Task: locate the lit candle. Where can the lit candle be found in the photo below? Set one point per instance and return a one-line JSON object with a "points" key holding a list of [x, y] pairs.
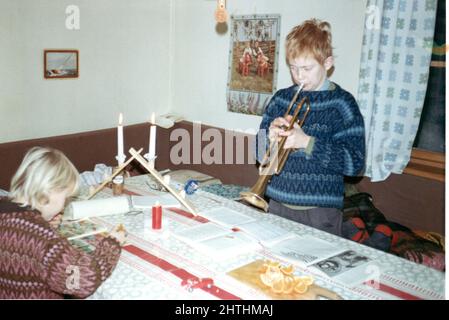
{"points": [[156, 216], [152, 146], [120, 154]]}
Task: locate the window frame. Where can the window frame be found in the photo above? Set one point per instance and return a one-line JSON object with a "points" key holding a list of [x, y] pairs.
{"points": [[427, 164]]}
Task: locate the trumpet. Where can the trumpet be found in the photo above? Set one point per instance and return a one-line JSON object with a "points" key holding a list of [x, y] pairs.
{"points": [[274, 159]]}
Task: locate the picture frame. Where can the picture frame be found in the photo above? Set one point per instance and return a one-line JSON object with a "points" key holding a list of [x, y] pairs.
{"points": [[61, 63], [253, 62]]}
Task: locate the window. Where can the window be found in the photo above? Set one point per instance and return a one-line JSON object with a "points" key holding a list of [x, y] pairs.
{"points": [[428, 155]]}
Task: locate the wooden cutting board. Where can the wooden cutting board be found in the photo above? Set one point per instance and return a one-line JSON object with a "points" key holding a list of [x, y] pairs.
{"points": [[250, 275]]}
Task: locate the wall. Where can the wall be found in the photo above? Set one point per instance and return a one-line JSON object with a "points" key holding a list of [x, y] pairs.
{"points": [[201, 54], [123, 65], [142, 56]]}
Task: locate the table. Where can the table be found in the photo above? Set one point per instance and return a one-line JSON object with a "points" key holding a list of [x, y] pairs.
{"points": [[158, 266]]}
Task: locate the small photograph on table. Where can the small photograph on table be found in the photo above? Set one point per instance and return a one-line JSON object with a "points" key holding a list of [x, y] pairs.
{"points": [[341, 263]]}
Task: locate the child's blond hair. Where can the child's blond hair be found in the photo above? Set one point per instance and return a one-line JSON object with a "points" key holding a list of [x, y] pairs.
{"points": [[42, 171], [313, 37]]}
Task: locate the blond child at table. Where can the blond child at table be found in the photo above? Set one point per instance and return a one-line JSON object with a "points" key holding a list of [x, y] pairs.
{"points": [[35, 261]]}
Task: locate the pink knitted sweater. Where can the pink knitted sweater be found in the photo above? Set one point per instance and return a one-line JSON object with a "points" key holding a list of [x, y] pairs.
{"points": [[37, 263]]}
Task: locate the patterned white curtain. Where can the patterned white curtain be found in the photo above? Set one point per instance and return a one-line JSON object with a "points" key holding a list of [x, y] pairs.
{"points": [[396, 53]]}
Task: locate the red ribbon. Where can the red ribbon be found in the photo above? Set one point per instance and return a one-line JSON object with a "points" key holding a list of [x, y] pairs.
{"points": [[186, 277], [393, 291]]}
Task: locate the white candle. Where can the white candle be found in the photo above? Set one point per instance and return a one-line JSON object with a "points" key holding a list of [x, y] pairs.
{"points": [[152, 146], [120, 153]]}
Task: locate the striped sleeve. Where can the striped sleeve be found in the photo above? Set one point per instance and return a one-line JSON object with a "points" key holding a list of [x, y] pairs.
{"points": [[74, 272], [344, 151]]}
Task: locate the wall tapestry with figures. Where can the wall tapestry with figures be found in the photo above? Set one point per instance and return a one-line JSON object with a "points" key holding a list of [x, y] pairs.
{"points": [[253, 62]]}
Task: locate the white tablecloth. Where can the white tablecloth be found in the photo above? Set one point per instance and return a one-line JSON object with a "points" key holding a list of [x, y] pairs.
{"points": [[136, 278]]}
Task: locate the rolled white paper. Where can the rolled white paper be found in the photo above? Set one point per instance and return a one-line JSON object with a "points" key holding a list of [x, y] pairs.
{"points": [[96, 208]]}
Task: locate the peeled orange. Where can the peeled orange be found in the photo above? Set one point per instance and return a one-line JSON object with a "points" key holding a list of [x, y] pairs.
{"points": [[278, 286], [301, 287], [289, 284], [306, 279], [281, 279], [287, 270], [266, 279]]}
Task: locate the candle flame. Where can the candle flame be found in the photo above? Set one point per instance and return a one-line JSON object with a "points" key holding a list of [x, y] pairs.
{"points": [[153, 118], [157, 204], [120, 119]]}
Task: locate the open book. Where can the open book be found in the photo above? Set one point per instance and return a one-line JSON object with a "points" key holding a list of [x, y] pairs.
{"points": [[85, 244], [343, 265], [216, 241], [263, 232], [80, 229], [325, 258], [82, 234], [226, 217], [266, 233]]}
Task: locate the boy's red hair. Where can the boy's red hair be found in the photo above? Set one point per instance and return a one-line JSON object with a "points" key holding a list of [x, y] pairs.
{"points": [[313, 37]]}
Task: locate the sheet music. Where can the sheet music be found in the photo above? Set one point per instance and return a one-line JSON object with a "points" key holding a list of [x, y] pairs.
{"points": [[304, 249], [226, 217], [266, 233], [227, 246], [201, 232], [342, 265], [216, 241]]}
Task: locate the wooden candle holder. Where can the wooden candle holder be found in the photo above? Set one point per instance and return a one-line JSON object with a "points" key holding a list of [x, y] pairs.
{"points": [[136, 155], [116, 172]]}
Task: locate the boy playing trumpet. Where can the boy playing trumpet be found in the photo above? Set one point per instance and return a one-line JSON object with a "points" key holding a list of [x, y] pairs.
{"points": [[330, 144]]}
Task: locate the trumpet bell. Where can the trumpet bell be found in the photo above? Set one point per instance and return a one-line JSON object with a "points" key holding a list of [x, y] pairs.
{"points": [[255, 200]]}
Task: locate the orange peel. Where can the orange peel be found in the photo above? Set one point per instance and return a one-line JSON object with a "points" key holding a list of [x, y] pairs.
{"points": [[306, 279], [301, 287], [278, 286], [289, 284], [280, 279], [287, 270]]}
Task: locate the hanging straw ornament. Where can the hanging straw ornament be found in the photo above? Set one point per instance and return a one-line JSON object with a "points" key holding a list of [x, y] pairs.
{"points": [[220, 13]]}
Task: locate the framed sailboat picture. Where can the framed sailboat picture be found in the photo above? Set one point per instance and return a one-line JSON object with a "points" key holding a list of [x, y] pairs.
{"points": [[60, 64]]}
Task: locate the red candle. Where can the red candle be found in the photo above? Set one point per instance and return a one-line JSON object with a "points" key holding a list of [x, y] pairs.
{"points": [[157, 216]]}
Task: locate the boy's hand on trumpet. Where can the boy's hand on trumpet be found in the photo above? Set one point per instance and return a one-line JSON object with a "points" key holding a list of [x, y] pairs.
{"points": [[296, 138], [277, 126]]}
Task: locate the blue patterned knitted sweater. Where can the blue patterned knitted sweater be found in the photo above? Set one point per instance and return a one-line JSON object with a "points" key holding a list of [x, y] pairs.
{"points": [[316, 179]]}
